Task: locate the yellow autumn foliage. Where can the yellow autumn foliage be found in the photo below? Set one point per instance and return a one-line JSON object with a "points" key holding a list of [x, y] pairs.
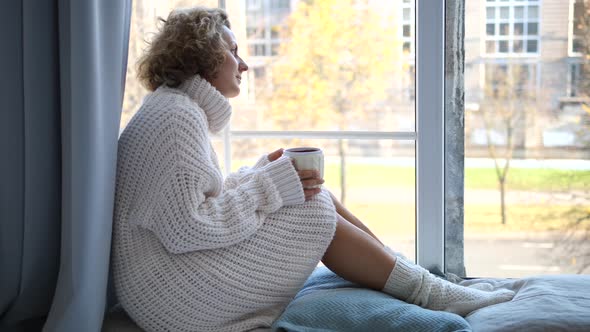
{"points": [[339, 61]]}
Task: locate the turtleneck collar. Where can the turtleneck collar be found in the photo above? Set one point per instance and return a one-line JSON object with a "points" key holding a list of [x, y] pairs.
{"points": [[216, 106]]}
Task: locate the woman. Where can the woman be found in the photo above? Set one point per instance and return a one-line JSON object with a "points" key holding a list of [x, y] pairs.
{"points": [[194, 252]]}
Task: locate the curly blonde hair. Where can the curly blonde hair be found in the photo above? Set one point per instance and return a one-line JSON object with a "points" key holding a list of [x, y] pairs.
{"points": [[189, 42]]}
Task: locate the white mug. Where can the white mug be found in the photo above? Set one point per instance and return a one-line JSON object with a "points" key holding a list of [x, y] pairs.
{"points": [[307, 158]]}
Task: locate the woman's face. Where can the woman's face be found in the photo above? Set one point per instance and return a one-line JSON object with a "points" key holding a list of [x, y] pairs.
{"points": [[229, 76]]}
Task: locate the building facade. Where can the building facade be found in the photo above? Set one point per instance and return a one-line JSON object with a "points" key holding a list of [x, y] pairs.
{"points": [[530, 49]]}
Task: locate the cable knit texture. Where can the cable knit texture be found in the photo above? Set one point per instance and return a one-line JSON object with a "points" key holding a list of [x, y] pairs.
{"points": [[192, 252]]}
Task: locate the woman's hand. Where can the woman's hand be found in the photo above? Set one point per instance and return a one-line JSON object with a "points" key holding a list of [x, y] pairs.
{"points": [[275, 155], [310, 179]]}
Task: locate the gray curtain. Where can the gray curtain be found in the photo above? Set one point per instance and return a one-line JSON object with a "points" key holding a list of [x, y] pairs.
{"points": [[63, 65]]}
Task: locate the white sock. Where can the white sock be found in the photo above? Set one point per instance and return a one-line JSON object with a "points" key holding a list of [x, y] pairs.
{"points": [[414, 284]]}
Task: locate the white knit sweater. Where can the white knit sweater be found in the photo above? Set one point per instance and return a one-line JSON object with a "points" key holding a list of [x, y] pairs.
{"points": [[192, 252]]}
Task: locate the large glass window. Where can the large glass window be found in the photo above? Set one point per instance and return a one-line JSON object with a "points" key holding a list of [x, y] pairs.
{"points": [[512, 27], [527, 170], [335, 74]]}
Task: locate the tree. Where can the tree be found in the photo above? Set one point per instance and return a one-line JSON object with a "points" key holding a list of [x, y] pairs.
{"points": [[340, 62], [508, 98], [578, 231], [574, 239]]}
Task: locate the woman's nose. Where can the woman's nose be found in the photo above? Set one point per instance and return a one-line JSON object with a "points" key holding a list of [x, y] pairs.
{"points": [[242, 66]]}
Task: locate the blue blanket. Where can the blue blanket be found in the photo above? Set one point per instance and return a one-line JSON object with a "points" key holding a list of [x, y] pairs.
{"points": [[329, 303]]}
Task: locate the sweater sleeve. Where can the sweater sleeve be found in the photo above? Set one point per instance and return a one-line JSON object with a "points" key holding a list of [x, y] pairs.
{"points": [[244, 173], [187, 219]]}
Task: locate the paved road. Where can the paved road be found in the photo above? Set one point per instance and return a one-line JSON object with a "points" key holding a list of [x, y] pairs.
{"points": [[520, 256], [513, 255]]}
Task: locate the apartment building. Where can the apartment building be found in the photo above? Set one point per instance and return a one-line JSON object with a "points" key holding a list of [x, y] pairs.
{"points": [[529, 46]]}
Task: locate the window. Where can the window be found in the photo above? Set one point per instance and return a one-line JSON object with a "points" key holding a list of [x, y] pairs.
{"points": [[510, 81], [381, 156], [512, 27], [526, 144], [257, 49], [579, 22], [253, 5], [280, 4], [575, 79], [264, 21], [408, 30], [408, 26]]}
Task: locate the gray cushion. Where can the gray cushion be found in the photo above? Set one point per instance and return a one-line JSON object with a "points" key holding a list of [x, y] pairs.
{"points": [[542, 303], [329, 303]]}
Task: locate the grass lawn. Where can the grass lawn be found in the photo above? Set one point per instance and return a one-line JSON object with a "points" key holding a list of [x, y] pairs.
{"points": [[395, 218], [529, 179], [360, 175]]}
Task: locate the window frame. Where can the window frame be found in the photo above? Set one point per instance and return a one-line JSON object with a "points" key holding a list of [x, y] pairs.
{"points": [[511, 21], [430, 140]]}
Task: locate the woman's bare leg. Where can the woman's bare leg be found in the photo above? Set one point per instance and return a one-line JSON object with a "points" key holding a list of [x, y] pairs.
{"points": [[358, 257]]}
